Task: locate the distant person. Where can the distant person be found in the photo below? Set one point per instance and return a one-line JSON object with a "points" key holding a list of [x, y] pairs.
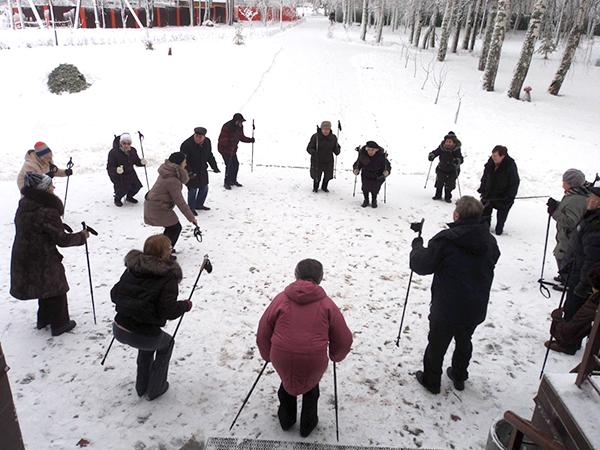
{"points": [[448, 168], [39, 160], [321, 147], [299, 331], [198, 153], [231, 134], [332, 17], [374, 167], [120, 167], [462, 260], [499, 186]]}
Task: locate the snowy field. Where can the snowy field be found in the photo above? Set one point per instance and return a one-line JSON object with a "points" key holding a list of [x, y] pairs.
{"points": [[288, 81]]}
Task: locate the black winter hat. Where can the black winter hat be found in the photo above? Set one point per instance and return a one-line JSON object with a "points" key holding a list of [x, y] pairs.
{"points": [[200, 130], [309, 269], [451, 135], [238, 116], [177, 157], [372, 144]]}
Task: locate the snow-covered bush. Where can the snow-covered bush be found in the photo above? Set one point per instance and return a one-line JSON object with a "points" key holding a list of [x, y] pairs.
{"points": [[66, 78]]}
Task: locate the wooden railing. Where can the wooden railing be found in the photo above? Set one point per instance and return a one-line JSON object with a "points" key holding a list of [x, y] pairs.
{"points": [[522, 428]]}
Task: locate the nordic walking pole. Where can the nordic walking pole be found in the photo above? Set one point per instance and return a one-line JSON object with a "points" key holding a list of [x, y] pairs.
{"points": [[428, 172], [335, 397], [418, 227], [354, 191], [543, 289], [385, 191], [249, 394], [252, 157], [339, 127], [69, 167], [458, 184], [141, 138], [107, 350], [87, 256], [206, 265]]}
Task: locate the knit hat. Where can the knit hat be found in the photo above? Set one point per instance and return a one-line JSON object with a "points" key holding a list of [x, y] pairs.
{"points": [[125, 137], [238, 116], [200, 130], [38, 181], [574, 177], [177, 157], [372, 144], [326, 124], [309, 269], [451, 135], [41, 149]]}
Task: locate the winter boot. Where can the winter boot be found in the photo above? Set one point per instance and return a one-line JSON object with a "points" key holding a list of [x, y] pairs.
{"points": [[316, 186], [227, 186], [235, 183], [365, 203], [448, 196], [438, 194], [459, 385], [421, 379], [374, 201], [308, 417], [130, 199], [63, 329], [324, 186], [118, 202], [287, 410]]}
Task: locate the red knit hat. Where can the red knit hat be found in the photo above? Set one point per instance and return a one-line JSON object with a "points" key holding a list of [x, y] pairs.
{"points": [[41, 149]]}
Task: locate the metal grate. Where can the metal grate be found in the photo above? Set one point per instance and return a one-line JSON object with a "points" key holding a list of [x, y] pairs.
{"points": [[219, 443]]}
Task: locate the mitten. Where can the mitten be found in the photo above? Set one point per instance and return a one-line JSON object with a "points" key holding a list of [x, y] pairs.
{"points": [[356, 171], [417, 242], [68, 172], [431, 156], [386, 173], [120, 170], [143, 161]]}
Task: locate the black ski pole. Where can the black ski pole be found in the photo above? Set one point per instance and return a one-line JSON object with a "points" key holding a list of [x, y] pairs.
{"points": [[317, 174], [418, 227], [385, 191], [428, 172], [335, 398], [252, 160], [107, 350], [354, 191], [141, 138], [206, 265], [458, 184], [87, 256], [249, 394], [543, 289], [69, 167], [339, 127]]}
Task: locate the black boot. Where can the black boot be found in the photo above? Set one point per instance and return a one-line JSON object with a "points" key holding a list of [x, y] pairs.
{"points": [[63, 329], [315, 185], [374, 201], [365, 203], [448, 196], [118, 202], [287, 410], [324, 186], [438, 193], [308, 417]]}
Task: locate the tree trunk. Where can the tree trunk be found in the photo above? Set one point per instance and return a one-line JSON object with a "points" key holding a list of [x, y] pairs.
{"points": [[380, 21], [475, 23], [489, 29], [471, 18], [458, 22], [528, 48], [493, 58], [572, 43], [431, 28], [363, 20], [444, 34]]}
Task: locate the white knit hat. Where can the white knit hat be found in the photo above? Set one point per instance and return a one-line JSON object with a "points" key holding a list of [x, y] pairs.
{"points": [[125, 137]]}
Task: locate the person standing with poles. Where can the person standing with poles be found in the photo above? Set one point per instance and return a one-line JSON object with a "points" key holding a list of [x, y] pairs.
{"points": [[448, 168], [120, 167], [232, 133], [321, 147], [39, 160], [145, 297], [36, 269], [462, 260], [373, 163], [296, 332]]}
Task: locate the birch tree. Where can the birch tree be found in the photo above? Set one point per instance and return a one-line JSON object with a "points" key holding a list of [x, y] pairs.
{"points": [[489, 30], [363, 20], [445, 32], [528, 48], [493, 57], [380, 21]]}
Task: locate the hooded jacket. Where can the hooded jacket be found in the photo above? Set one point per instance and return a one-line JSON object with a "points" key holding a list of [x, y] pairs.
{"points": [[295, 332], [462, 260], [450, 159], [568, 214], [34, 164]]}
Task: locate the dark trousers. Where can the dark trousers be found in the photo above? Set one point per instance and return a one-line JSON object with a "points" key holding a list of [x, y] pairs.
{"points": [[232, 166], [172, 233], [440, 336], [572, 304], [501, 216], [288, 408], [197, 197], [53, 311], [129, 191], [154, 354], [447, 181]]}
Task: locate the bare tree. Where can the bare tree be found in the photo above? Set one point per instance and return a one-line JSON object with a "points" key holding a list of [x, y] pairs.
{"points": [[458, 20], [460, 96], [427, 69], [475, 23], [533, 33], [439, 79], [364, 19], [493, 58], [430, 33], [489, 30], [572, 43], [445, 32], [380, 21]]}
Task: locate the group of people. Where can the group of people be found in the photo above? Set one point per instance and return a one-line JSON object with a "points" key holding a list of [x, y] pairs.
{"points": [[302, 328]]}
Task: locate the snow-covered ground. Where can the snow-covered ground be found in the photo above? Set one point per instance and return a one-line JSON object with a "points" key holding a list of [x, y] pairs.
{"points": [[288, 82]]}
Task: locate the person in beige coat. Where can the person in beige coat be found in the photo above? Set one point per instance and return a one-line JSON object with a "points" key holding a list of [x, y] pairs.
{"points": [[165, 194], [39, 160]]}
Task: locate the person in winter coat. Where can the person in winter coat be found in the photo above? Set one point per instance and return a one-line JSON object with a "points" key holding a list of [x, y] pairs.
{"points": [[121, 159], [373, 163], [198, 154], [499, 186], [568, 334], [36, 269], [321, 147], [462, 260], [295, 333], [583, 252], [39, 160], [232, 133], [165, 194], [145, 298], [568, 212], [449, 166]]}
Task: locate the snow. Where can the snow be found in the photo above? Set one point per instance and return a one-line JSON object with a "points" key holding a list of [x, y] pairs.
{"points": [[288, 82]]}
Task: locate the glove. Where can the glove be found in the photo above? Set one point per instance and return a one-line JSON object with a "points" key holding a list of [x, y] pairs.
{"points": [[85, 233], [386, 173], [557, 314], [356, 171], [216, 170], [417, 242], [431, 156], [552, 205], [68, 172], [381, 178], [120, 170], [188, 303], [252, 140], [143, 161]]}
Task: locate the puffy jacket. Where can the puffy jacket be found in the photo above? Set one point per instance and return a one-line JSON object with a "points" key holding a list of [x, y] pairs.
{"points": [[568, 214], [34, 164], [499, 185]]}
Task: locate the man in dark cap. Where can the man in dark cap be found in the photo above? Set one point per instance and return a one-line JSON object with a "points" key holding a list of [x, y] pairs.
{"points": [[373, 163], [449, 166], [198, 151], [231, 134], [322, 146]]}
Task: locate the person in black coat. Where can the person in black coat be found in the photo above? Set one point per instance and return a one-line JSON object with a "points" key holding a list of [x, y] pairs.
{"points": [[462, 260], [321, 147], [121, 159], [145, 298], [373, 163], [499, 186], [449, 166], [198, 152]]}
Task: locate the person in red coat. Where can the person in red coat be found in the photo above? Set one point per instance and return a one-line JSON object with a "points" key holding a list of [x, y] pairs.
{"points": [[231, 134], [295, 333]]}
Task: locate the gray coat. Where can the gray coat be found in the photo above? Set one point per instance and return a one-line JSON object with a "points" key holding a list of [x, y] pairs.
{"points": [[568, 214]]}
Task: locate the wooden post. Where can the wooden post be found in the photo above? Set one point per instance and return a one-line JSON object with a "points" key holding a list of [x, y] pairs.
{"points": [[9, 423]]}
